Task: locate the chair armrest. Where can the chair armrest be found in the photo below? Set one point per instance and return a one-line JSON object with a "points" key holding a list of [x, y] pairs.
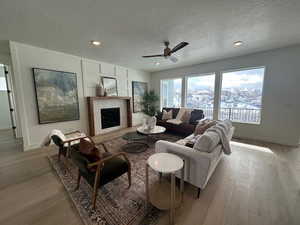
{"points": [[73, 132], [103, 145]]}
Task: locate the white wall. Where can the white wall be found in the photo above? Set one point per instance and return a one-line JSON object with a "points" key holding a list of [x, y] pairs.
{"points": [[280, 122], [24, 58], [93, 70], [5, 121]]}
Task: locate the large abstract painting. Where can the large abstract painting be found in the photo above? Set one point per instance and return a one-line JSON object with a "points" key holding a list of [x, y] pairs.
{"points": [[56, 95], [138, 91]]}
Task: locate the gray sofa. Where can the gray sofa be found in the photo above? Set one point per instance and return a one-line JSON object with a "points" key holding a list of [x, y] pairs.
{"points": [[199, 165]]}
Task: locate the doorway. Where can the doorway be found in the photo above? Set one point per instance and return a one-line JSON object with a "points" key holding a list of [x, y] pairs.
{"points": [[7, 109]]}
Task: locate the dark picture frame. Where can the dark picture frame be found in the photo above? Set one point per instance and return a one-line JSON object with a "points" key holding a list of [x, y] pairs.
{"points": [[111, 85], [56, 95], [138, 91]]}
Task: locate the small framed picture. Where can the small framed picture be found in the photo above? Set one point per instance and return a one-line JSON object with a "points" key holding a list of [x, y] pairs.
{"points": [[110, 85]]}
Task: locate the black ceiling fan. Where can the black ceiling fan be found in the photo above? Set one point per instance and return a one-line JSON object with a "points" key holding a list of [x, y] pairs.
{"points": [[168, 52]]}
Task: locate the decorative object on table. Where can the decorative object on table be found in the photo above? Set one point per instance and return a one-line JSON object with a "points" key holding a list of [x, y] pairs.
{"points": [[157, 162], [100, 91], [110, 85], [149, 107], [114, 205], [56, 95], [138, 91]]}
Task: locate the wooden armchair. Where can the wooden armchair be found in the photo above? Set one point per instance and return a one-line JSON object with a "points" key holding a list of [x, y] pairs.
{"points": [[70, 140], [109, 167]]}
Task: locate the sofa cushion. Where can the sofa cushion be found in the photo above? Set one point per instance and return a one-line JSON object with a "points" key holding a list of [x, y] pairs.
{"points": [[207, 142], [174, 121], [196, 115]]}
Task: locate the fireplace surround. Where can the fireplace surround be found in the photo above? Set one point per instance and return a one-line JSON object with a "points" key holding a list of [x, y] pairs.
{"points": [[97, 104]]}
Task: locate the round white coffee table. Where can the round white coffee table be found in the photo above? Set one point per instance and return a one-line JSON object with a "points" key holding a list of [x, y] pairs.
{"points": [[165, 163], [155, 130]]}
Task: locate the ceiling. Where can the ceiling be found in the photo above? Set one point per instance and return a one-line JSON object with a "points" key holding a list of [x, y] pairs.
{"points": [[129, 29]]}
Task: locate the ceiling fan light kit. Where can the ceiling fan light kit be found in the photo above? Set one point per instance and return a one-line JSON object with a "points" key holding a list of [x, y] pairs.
{"points": [[168, 52]]}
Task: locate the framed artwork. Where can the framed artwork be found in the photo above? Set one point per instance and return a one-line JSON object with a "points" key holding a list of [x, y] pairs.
{"points": [[138, 91], [110, 85], [56, 95]]}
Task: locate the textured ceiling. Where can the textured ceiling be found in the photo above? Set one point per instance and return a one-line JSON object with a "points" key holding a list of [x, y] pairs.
{"points": [[129, 29]]}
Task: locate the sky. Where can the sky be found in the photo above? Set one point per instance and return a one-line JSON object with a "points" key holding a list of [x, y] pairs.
{"points": [[236, 79], [253, 77]]}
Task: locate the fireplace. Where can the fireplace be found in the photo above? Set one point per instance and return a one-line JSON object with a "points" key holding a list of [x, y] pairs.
{"points": [[110, 117]]}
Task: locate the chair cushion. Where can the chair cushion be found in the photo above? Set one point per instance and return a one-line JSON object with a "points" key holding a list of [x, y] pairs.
{"points": [[112, 169]]}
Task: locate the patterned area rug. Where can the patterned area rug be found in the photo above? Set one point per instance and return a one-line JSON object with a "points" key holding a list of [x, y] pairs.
{"points": [[115, 205]]}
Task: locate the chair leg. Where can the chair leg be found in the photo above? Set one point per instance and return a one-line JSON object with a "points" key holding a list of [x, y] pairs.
{"points": [[96, 184], [129, 177], [198, 194], [78, 180]]}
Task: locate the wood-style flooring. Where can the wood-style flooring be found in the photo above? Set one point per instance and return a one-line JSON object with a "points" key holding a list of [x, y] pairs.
{"points": [[258, 184]]}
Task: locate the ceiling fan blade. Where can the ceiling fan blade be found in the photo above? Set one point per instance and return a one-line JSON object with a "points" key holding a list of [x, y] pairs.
{"points": [[173, 59], [179, 46], [150, 56]]}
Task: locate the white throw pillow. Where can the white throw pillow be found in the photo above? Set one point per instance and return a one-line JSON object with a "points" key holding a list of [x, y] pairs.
{"points": [[207, 142], [180, 113], [167, 115]]}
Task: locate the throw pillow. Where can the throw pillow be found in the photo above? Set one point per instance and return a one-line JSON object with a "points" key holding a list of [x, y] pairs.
{"points": [[186, 116], [167, 115], [202, 127], [196, 115], [180, 113], [207, 142]]}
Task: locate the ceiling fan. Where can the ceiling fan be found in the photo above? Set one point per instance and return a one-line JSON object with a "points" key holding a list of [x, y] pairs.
{"points": [[168, 52]]}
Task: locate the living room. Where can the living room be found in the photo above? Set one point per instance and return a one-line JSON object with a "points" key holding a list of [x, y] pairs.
{"points": [[140, 112]]}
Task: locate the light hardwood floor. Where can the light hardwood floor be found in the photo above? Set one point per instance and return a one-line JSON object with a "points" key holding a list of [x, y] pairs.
{"points": [[253, 186]]}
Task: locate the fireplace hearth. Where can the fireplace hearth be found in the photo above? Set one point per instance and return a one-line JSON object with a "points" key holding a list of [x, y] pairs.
{"points": [[110, 117]]}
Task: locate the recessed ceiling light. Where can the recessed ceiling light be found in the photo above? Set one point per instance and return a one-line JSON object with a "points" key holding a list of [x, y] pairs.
{"points": [[238, 43], [157, 63], [96, 43]]}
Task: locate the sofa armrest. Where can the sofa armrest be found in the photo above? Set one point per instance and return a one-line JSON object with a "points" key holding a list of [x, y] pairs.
{"points": [[201, 160], [197, 164]]}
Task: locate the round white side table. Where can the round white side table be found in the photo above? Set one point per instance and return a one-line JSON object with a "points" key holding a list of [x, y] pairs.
{"points": [[166, 163]]}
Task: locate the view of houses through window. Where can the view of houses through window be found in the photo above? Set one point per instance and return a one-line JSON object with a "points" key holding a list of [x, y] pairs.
{"points": [[240, 100], [241, 95], [200, 91]]}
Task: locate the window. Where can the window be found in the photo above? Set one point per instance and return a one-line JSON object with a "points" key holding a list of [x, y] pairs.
{"points": [[241, 95], [3, 84], [200, 93], [171, 93]]}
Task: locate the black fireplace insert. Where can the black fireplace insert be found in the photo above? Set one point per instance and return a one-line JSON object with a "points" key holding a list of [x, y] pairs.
{"points": [[110, 117]]}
